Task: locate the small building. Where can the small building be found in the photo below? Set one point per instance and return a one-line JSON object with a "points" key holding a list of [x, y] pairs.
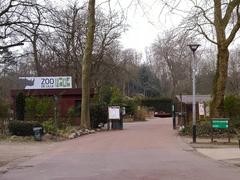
{"points": [[64, 98], [184, 105]]}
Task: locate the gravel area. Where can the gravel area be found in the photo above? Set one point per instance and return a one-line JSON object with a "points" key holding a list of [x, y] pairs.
{"points": [[12, 153]]}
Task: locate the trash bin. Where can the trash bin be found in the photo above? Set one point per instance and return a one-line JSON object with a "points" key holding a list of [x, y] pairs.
{"points": [[117, 124], [121, 123], [38, 132]]}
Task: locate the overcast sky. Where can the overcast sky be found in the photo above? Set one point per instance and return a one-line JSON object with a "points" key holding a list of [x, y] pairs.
{"points": [[146, 20]]}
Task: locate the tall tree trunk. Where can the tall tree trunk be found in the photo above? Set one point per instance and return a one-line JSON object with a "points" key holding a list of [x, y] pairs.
{"points": [[217, 106], [86, 66], [35, 56], [174, 82], [219, 83]]}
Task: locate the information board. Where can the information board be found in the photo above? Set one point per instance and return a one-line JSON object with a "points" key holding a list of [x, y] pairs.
{"points": [[114, 112]]}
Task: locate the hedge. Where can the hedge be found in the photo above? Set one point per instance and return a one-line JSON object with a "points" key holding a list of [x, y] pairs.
{"points": [[160, 104], [22, 128], [205, 130]]}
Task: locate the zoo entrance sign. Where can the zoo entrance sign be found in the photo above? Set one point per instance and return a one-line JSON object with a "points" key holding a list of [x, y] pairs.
{"points": [[54, 82]]}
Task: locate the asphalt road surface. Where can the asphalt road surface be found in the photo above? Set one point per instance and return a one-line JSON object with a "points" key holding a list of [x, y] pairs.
{"points": [[142, 151]]}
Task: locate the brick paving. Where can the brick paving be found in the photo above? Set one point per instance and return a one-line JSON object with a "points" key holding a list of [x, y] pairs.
{"points": [[142, 151]]}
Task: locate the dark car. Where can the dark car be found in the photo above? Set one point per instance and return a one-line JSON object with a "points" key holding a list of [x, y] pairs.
{"points": [[162, 114]]}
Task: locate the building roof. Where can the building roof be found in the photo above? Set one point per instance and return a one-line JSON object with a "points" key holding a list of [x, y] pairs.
{"points": [[50, 92], [187, 99]]}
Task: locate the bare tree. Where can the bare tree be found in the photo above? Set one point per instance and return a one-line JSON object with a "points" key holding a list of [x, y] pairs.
{"points": [[233, 84], [170, 54], [7, 61], [65, 46], [108, 30], [33, 31], [20, 22], [9, 10], [206, 69], [218, 21], [12, 14]]}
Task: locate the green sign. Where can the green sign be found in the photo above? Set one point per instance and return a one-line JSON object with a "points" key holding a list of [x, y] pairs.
{"points": [[220, 123]]}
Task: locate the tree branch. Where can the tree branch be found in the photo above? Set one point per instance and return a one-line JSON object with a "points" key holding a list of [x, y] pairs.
{"points": [[12, 45], [229, 11], [204, 15], [205, 35], [234, 30]]}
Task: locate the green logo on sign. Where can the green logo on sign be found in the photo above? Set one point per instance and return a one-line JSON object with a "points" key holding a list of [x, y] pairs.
{"points": [[63, 82]]}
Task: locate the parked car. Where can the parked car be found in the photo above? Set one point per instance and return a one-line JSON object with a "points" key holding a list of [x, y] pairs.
{"points": [[162, 114]]}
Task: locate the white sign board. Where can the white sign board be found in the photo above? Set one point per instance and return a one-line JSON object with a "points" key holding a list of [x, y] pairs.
{"points": [[201, 109], [114, 112], [55, 82]]}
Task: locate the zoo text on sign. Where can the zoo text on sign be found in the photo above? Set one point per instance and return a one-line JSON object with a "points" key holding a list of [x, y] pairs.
{"points": [[55, 82]]}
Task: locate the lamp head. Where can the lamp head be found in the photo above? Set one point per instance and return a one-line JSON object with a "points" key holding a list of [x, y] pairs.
{"points": [[193, 47]]}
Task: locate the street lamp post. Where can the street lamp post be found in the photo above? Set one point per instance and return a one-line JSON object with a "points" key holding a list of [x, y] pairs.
{"points": [[193, 48], [182, 123]]}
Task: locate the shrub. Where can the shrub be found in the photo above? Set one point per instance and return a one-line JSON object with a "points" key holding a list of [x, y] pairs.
{"points": [[131, 106], [105, 95], [117, 97], [235, 122], [4, 116], [44, 106], [98, 114], [110, 95], [232, 110], [38, 107], [22, 128], [71, 113], [49, 127], [4, 110], [140, 115], [30, 106], [232, 106], [20, 106]]}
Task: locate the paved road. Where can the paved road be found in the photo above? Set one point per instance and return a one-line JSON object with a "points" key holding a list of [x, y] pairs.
{"points": [[143, 151]]}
